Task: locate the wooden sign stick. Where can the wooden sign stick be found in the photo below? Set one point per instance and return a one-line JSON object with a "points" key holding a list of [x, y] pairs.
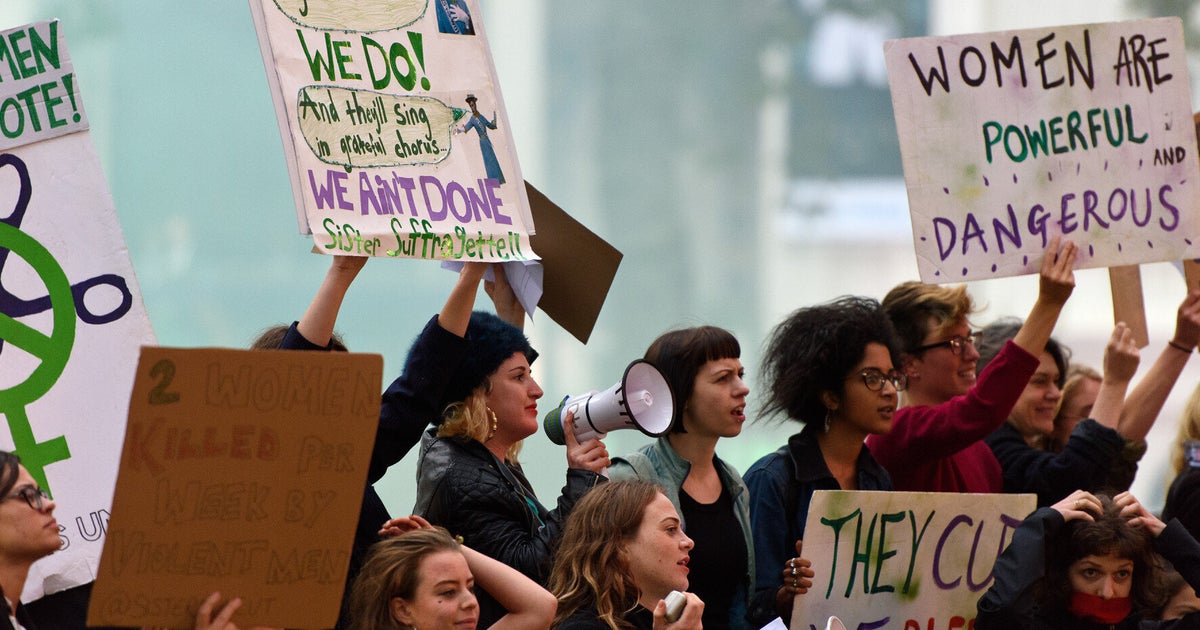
{"points": [[1128, 305]]}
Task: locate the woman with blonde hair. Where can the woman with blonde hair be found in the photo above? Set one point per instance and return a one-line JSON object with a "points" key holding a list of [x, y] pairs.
{"points": [[485, 403], [1183, 497], [621, 555]]}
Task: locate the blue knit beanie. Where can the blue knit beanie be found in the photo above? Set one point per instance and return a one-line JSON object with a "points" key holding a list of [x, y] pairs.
{"points": [[490, 342]]}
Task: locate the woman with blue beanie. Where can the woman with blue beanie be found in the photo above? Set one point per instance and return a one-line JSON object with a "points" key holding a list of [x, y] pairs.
{"points": [[469, 479]]}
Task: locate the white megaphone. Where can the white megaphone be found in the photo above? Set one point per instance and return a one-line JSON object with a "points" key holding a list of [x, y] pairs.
{"points": [[641, 400]]}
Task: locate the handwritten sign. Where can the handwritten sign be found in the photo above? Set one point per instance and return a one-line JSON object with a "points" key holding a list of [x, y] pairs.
{"points": [[71, 313], [903, 560], [395, 131], [242, 472], [1012, 137], [39, 97]]}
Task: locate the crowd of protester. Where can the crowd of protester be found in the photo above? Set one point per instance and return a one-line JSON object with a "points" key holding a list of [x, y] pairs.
{"points": [[901, 393]]}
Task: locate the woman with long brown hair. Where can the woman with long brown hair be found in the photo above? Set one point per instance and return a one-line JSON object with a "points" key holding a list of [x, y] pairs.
{"points": [[622, 553]]}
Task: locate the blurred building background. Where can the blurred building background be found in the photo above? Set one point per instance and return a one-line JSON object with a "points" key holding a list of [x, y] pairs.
{"points": [[742, 155]]}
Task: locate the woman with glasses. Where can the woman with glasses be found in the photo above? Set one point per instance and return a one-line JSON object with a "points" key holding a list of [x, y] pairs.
{"points": [[28, 531], [830, 368], [1096, 444], [702, 365], [936, 442]]}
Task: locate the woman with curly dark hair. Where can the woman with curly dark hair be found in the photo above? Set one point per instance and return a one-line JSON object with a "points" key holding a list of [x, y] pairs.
{"points": [[1088, 561], [622, 553], [832, 368]]}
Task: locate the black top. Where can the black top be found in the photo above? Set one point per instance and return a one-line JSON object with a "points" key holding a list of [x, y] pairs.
{"points": [[587, 619], [720, 552], [1183, 500]]}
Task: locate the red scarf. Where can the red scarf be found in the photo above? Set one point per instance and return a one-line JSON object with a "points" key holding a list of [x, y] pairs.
{"points": [[1098, 609]]}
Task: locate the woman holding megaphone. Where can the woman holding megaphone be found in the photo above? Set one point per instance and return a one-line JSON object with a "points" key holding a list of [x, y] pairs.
{"points": [[705, 372], [469, 480]]}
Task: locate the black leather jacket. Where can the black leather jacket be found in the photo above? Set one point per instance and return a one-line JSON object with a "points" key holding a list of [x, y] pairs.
{"points": [[463, 487]]}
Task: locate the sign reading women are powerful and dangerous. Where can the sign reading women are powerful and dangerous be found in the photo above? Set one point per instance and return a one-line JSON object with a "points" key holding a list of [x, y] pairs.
{"points": [[395, 131], [1010, 138]]}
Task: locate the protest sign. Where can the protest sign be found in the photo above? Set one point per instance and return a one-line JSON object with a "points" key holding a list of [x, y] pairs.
{"points": [[1012, 137], [71, 312], [242, 472], [903, 560], [394, 128], [573, 293]]}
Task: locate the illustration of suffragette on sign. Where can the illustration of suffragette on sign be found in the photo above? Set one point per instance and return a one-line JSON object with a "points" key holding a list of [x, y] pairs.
{"points": [[481, 125], [453, 17]]}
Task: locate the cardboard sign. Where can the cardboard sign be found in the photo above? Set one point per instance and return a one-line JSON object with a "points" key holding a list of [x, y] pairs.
{"points": [[396, 135], [242, 472], [903, 560], [71, 312], [1010, 138], [573, 291]]}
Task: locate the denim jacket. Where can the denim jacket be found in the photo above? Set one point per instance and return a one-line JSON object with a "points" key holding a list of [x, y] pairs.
{"points": [[660, 463]]}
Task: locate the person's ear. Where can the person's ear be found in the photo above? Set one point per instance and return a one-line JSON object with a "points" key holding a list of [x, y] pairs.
{"points": [[830, 400], [909, 365], [401, 612]]}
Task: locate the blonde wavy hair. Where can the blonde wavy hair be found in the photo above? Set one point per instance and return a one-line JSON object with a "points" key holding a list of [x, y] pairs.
{"points": [[471, 418], [590, 567], [1189, 429]]}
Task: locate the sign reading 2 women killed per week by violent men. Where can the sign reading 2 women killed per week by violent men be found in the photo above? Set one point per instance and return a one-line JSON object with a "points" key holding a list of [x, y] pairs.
{"points": [[903, 560], [242, 472], [1010, 138], [396, 135], [71, 313]]}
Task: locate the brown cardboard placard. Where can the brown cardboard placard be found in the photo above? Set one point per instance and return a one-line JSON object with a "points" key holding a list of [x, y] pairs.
{"points": [[579, 266], [242, 472], [1128, 304]]}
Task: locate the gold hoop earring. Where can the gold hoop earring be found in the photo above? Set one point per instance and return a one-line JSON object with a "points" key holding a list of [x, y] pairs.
{"points": [[494, 424]]}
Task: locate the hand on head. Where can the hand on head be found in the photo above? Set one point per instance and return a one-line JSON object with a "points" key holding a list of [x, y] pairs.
{"points": [[1080, 504], [590, 455], [402, 524], [1137, 515]]}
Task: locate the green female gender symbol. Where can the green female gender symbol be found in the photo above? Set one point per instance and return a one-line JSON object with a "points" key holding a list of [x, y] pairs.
{"points": [[53, 350]]}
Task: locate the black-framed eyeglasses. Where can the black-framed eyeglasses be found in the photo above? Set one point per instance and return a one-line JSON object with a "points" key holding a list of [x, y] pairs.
{"points": [[874, 379], [957, 345], [33, 495]]}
